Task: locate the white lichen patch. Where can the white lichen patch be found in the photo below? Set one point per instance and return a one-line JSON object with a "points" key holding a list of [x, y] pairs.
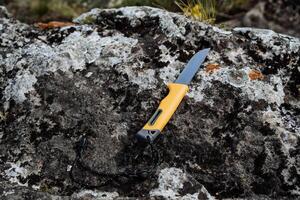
{"points": [[291, 121], [237, 56], [289, 141], [116, 50], [269, 38], [265, 55], [166, 56], [264, 34], [271, 90], [197, 88], [73, 54], [168, 26], [134, 14], [119, 131], [196, 92], [170, 181], [79, 50], [95, 195], [171, 71], [17, 88], [190, 197], [16, 171], [12, 60], [144, 79], [275, 121], [221, 31], [9, 192], [10, 34], [88, 17], [294, 44], [166, 21], [215, 57], [169, 74]]}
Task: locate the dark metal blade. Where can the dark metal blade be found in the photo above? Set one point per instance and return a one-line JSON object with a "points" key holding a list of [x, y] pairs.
{"points": [[192, 67]]}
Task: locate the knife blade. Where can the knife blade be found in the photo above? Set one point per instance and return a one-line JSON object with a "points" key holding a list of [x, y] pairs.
{"points": [[169, 104]]}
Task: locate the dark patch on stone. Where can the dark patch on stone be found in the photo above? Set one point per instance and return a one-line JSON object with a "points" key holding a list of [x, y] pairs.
{"points": [[293, 85], [56, 35]]}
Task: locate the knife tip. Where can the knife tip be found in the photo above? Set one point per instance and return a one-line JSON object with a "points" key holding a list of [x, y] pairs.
{"points": [[206, 50]]}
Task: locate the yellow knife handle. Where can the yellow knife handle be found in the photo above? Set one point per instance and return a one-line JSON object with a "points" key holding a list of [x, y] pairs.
{"points": [[162, 115]]}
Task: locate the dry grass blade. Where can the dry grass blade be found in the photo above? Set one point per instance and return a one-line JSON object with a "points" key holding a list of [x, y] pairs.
{"points": [[53, 24], [202, 10]]}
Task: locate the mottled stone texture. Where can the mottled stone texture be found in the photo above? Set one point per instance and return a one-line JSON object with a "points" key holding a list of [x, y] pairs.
{"points": [[236, 134], [280, 15]]}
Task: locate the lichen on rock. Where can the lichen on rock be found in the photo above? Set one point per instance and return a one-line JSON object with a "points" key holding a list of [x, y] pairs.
{"points": [[233, 136], [172, 180]]}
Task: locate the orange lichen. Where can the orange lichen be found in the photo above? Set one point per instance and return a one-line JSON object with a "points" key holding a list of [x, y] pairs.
{"points": [[255, 75], [211, 68], [53, 24]]}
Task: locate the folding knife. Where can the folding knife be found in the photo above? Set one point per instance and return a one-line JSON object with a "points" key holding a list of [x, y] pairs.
{"points": [[169, 104]]}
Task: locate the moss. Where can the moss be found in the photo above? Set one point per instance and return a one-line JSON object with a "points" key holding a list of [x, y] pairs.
{"points": [[88, 20]]}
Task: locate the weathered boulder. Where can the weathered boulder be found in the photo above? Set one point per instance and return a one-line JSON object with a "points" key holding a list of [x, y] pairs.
{"points": [[236, 134], [3, 12], [279, 15]]}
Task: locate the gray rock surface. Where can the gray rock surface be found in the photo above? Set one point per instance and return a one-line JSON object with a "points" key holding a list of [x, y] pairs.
{"points": [[279, 15], [236, 134]]}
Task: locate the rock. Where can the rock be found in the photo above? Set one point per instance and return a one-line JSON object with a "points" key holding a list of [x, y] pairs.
{"points": [[15, 192], [236, 134], [90, 194], [172, 185], [3, 12], [280, 15]]}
